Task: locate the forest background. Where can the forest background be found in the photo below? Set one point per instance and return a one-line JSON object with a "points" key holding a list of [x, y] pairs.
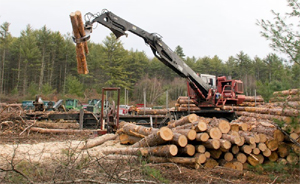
{"points": [[43, 62]]}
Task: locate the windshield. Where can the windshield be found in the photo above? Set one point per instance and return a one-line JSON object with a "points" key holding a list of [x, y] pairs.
{"points": [[69, 103]]}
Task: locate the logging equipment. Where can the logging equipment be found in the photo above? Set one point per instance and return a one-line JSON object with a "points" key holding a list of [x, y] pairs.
{"points": [[206, 91]]}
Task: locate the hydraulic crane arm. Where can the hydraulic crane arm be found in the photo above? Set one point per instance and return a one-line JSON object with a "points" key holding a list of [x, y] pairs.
{"points": [[119, 27]]}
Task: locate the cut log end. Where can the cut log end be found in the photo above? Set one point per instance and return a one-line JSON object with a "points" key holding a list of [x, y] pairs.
{"points": [[166, 133], [173, 150]]}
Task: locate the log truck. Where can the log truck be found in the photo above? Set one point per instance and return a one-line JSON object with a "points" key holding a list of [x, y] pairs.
{"points": [[208, 97]]}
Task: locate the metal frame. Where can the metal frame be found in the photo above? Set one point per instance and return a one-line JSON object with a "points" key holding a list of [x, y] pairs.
{"points": [[104, 89]]}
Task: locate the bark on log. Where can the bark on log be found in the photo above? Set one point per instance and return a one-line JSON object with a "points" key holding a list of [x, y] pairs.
{"points": [[160, 137], [231, 138], [81, 30], [163, 150], [179, 140], [152, 111], [137, 130], [60, 131], [263, 116], [192, 109], [184, 120], [253, 99], [249, 138], [98, 141], [130, 158], [126, 151], [185, 101], [177, 160], [190, 134], [80, 55], [212, 144], [42, 124], [128, 139]]}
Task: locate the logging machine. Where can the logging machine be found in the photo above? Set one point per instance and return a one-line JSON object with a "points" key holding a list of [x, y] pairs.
{"points": [[207, 92]]}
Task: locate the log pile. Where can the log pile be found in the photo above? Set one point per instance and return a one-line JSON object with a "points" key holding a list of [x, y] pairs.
{"points": [[196, 141], [283, 106], [183, 103]]}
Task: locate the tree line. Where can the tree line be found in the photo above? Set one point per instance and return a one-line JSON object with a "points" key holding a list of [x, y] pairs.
{"points": [[41, 61]]}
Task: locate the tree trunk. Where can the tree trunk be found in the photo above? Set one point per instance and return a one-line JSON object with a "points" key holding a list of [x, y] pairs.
{"points": [[190, 134], [59, 131], [128, 139], [160, 137], [137, 130], [184, 120], [163, 150], [98, 141], [179, 140], [42, 68], [126, 151]]}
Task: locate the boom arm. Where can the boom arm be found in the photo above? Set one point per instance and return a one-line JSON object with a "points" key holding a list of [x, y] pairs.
{"points": [[119, 27]]}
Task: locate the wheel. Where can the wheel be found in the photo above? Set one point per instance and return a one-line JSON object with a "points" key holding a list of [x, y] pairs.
{"points": [[142, 122]]}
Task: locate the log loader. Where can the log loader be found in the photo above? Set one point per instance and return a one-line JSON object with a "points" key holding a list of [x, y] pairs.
{"points": [[208, 95]]}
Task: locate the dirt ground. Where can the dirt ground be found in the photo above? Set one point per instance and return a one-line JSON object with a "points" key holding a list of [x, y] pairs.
{"points": [[46, 149]]}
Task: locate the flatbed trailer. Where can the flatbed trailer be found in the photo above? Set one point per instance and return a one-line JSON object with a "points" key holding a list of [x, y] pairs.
{"points": [[145, 120]]}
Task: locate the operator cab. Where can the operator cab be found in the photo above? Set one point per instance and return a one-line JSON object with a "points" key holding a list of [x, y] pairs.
{"points": [[209, 79]]}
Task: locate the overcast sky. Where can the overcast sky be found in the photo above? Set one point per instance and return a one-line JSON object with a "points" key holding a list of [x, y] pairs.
{"points": [[200, 27]]}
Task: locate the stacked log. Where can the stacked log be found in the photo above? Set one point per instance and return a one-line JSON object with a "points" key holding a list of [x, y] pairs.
{"points": [[152, 111], [232, 145], [284, 107], [185, 104]]}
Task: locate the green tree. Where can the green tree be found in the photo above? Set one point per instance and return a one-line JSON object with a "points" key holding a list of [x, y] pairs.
{"points": [[115, 63], [283, 35], [30, 54], [74, 86], [5, 39], [179, 52], [43, 41]]}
